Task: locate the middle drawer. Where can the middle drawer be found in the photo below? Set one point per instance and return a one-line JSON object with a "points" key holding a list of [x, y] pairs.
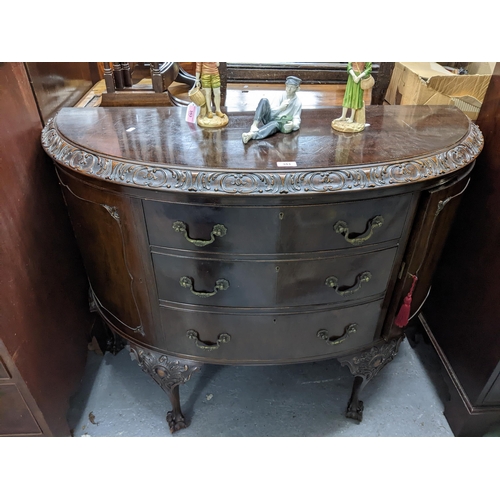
{"points": [[271, 283]]}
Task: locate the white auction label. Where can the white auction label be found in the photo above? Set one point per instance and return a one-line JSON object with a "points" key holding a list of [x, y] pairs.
{"points": [[287, 164]]}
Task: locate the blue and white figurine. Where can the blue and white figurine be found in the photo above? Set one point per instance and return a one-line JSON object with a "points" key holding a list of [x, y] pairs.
{"points": [[285, 117]]}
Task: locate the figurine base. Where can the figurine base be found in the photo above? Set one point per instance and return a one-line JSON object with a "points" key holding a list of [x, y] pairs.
{"points": [[214, 122], [346, 126]]}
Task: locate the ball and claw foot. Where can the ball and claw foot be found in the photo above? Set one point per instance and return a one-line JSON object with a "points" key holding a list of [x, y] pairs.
{"points": [[175, 422], [355, 411]]}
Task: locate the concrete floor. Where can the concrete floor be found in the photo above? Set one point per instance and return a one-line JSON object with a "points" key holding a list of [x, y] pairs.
{"points": [[405, 399]]}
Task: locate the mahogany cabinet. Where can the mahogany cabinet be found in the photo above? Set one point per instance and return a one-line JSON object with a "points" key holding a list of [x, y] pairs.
{"points": [[301, 247], [45, 321]]}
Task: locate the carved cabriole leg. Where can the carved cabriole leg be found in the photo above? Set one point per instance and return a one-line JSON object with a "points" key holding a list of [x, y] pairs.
{"points": [[364, 366], [168, 372]]}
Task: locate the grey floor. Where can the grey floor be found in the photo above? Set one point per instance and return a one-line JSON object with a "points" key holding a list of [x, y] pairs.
{"points": [[405, 399]]}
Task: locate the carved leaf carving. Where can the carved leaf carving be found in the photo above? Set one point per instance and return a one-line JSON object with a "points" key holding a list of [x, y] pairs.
{"points": [[252, 183]]}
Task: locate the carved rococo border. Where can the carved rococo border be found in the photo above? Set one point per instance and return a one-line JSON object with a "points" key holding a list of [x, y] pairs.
{"points": [[181, 180]]}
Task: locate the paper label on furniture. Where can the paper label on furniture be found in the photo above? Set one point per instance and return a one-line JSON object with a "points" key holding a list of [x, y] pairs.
{"points": [[286, 163], [191, 113]]}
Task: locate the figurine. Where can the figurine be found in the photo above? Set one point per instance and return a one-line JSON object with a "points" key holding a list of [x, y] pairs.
{"points": [[207, 75], [353, 98], [285, 117]]}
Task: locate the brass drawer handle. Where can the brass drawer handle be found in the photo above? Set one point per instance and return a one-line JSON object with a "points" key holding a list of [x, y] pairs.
{"points": [[341, 227], [218, 230], [350, 329], [187, 282], [332, 282], [223, 338]]}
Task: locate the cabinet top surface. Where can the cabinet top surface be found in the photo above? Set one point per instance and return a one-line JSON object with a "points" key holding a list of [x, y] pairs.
{"points": [[156, 148]]}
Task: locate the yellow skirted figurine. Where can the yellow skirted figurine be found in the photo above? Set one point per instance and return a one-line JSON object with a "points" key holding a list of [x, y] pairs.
{"points": [[207, 76]]}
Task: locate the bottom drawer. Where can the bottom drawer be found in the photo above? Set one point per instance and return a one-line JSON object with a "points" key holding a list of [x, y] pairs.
{"points": [[267, 337]]}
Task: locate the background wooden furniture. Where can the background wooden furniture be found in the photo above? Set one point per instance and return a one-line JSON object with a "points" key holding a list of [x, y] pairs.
{"points": [[170, 82], [462, 315], [125, 83], [200, 249], [58, 84], [44, 315], [309, 72]]}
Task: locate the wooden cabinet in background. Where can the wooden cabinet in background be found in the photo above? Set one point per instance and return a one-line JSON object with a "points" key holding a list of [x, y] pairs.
{"points": [[44, 315], [60, 84], [462, 314]]}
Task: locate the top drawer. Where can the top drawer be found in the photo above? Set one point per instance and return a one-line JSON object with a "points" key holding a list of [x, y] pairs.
{"points": [[271, 230]]}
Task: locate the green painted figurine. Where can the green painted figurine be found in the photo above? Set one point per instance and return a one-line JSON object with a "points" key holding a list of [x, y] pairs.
{"points": [[359, 79]]}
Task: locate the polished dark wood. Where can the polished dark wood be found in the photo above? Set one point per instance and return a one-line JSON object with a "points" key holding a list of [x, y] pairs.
{"points": [[127, 74], [382, 82], [308, 72], [19, 412], [461, 314], [58, 84], [274, 226], [118, 76], [109, 78], [437, 210], [44, 289], [136, 97], [205, 249], [395, 133], [163, 75]]}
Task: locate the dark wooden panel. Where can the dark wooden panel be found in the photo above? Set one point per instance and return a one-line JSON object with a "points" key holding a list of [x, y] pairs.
{"points": [[15, 416], [465, 419], [113, 242], [98, 229], [19, 412], [468, 334], [437, 207], [43, 287], [200, 220], [308, 72], [270, 282], [285, 229], [58, 84], [358, 276], [313, 228], [248, 282], [382, 81], [135, 98], [268, 337]]}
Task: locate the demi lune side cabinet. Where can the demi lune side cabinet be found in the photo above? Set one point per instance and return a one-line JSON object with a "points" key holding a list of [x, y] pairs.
{"points": [[301, 247]]}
